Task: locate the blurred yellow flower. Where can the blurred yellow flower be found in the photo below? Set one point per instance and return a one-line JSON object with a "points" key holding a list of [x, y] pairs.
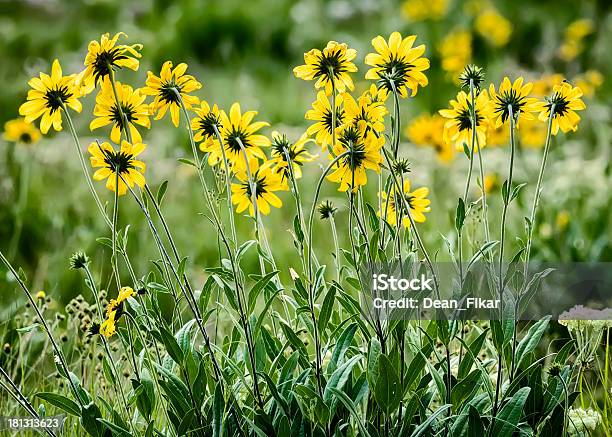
{"points": [[284, 150], [493, 27], [458, 127], [49, 95], [427, 130], [491, 182], [322, 116], [574, 35], [133, 106], [167, 87], [396, 64], [20, 131], [41, 295], [420, 10], [498, 136], [265, 181], [566, 101], [330, 67], [206, 124], [417, 201], [589, 82], [544, 85], [106, 55], [562, 219], [111, 161], [514, 96], [532, 133], [456, 51], [363, 152], [238, 131]]}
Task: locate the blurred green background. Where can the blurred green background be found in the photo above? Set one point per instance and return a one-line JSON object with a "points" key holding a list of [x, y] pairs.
{"points": [[245, 51]]}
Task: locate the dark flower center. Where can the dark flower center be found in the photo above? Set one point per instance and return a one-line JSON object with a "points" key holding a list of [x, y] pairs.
{"points": [[120, 161], [208, 123], [260, 186], [352, 140], [509, 98], [105, 61], [327, 119], [333, 63], [25, 138], [464, 118], [128, 112], [394, 73], [232, 138], [168, 91], [561, 105], [56, 97]]}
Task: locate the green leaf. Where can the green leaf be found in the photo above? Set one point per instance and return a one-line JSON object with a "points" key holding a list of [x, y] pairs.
{"points": [[471, 354], [374, 352], [516, 191], [531, 340], [465, 387], [505, 424], [350, 406], [326, 308], [244, 247], [460, 214], [425, 425], [61, 402], [188, 162], [259, 285], [161, 192], [339, 378], [172, 346], [343, 343], [90, 415], [387, 391]]}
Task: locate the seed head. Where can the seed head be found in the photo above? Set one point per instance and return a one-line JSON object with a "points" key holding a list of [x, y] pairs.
{"points": [[401, 166], [471, 73], [79, 260], [326, 209], [555, 369]]}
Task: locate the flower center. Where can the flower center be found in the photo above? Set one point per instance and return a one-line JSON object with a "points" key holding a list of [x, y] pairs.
{"points": [[509, 98], [106, 60], [120, 161], [25, 138], [352, 140], [331, 63], [327, 119], [128, 112], [56, 97], [207, 124], [232, 140], [168, 91], [560, 103], [464, 118], [260, 186], [394, 73]]}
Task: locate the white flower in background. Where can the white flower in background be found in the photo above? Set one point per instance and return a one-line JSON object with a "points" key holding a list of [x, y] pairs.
{"points": [[586, 326], [582, 422]]}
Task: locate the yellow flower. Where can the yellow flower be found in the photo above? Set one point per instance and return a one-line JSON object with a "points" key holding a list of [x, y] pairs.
{"points": [[397, 64], [371, 114], [131, 171], [532, 133], [500, 136], [50, 94], [205, 123], [236, 129], [375, 95], [265, 181], [575, 33], [456, 52], [417, 201], [491, 182], [566, 101], [104, 55], [364, 153], [133, 105], [458, 127], [420, 10], [515, 96], [427, 130], [297, 154], [545, 84], [20, 131], [589, 82], [108, 328], [333, 64], [41, 295], [322, 115], [167, 87], [493, 27], [562, 219]]}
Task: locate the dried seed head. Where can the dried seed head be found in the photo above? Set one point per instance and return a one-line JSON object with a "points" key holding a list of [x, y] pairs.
{"points": [[401, 166], [79, 260], [555, 369]]}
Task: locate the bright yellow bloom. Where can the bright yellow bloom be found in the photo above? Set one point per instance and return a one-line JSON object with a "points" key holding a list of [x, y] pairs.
{"points": [[493, 27], [133, 105], [491, 182], [131, 171], [532, 133], [322, 115], [104, 55], [284, 150], [205, 123], [458, 127], [427, 131], [114, 311], [566, 101], [238, 131], [417, 201], [167, 87], [456, 52], [371, 115], [20, 131], [515, 96], [375, 95], [397, 64], [333, 64], [364, 153], [41, 295], [265, 182], [108, 328], [421, 10], [500, 136], [49, 95], [562, 219]]}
